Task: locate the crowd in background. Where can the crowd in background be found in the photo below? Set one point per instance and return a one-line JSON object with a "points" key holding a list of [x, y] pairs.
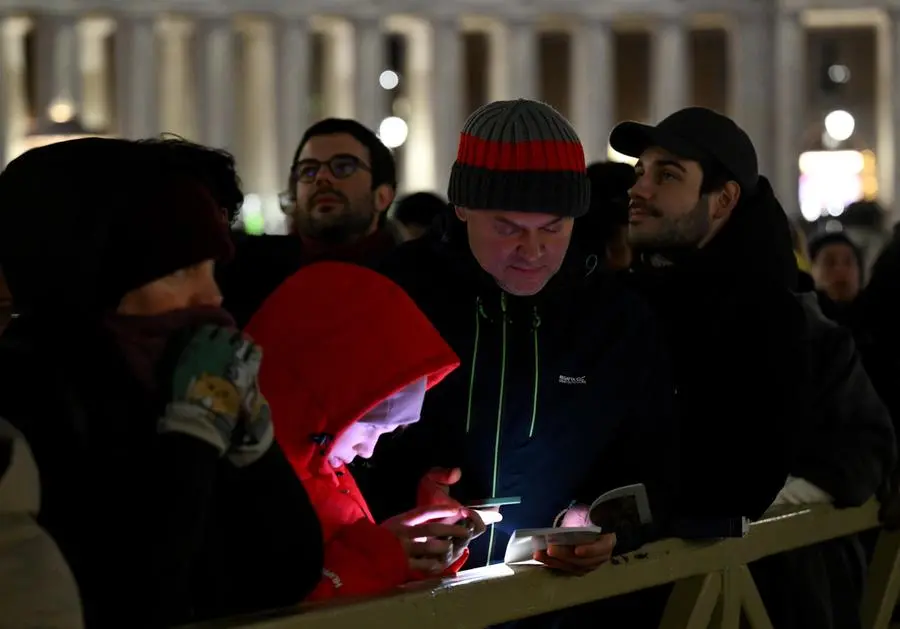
{"points": [[190, 414]]}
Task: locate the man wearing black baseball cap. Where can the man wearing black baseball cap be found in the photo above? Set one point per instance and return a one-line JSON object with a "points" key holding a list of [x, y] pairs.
{"points": [[714, 257]]}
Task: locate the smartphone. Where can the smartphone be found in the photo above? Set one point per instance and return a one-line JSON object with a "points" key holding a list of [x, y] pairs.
{"points": [[486, 503]]}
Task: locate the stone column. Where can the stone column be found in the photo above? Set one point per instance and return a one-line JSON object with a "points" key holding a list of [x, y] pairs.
{"points": [[13, 87], [217, 82], [887, 110], [59, 80], [339, 74], [790, 73], [370, 100], [751, 83], [446, 97], [514, 64], [96, 73], [417, 81], [260, 163], [294, 88], [669, 70], [137, 78], [593, 85], [178, 112]]}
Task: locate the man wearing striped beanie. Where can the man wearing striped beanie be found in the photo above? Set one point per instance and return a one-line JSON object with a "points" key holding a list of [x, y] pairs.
{"points": [[560, 366], [519, 171]]}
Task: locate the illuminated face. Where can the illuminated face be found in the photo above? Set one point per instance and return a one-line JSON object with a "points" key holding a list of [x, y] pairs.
{"points": [[667, 209], [521, 250], [836, 272], [401, 409]]}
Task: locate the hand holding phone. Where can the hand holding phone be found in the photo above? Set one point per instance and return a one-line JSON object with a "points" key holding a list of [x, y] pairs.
{"points": [[426, 539]]}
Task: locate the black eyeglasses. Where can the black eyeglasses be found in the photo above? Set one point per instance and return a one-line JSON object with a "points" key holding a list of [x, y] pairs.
{"points": [[341, 166]]}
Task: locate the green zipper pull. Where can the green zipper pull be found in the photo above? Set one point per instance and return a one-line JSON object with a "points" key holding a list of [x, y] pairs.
{"points": [[535, 324], [502, 397], [479, 313]]}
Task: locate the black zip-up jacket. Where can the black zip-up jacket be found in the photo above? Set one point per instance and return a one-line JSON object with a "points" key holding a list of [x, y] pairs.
{"points": [[740, 356], [558, 397]]}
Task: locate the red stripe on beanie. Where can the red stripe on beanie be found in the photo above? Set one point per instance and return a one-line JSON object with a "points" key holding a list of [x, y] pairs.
{"points": [[531, 155]]}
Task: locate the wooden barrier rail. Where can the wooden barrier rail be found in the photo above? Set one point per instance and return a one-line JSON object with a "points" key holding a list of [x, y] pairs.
{"points": [[712, 583]]}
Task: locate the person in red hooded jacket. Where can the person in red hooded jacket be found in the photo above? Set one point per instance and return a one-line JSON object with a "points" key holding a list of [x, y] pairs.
{"points": [[349, 357]]}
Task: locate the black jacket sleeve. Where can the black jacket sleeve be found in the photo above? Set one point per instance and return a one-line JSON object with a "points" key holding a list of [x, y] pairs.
{"points": [[645, 449], [276, 543], [742, 403], [221, 541], [851, 447]]}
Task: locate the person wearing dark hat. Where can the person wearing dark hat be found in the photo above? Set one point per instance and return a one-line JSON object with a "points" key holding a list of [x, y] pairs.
{"points": [[563, 391], [159, 479], [340, 184], [715, 257]]}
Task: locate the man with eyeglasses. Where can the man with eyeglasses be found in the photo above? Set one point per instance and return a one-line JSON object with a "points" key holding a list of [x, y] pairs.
{"points": [[341, 182]]}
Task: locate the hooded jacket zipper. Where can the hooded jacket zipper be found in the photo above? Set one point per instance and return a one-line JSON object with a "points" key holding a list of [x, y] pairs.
{"points": [[535, 324]]}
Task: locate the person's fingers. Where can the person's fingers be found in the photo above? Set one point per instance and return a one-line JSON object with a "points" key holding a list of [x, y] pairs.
{"points": [[429, 512], [431, 492], [428, 566], [558, 565], [575, 516], [603, 547], [586, 557], [444, 475], [477, 522], [438, 529], [438, 549]]}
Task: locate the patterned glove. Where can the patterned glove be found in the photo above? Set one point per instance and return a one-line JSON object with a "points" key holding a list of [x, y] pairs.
{"points": [[253, 434], [211, 380]]}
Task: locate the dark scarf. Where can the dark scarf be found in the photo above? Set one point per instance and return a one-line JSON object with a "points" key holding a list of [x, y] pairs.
{"points": [[150, 344]]}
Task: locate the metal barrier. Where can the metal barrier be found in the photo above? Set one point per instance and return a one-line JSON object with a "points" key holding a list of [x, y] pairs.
{"points": [[713, 585]]}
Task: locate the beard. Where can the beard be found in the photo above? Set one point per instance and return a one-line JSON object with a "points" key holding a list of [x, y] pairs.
{"points": [[347, 222], [661, 231]]}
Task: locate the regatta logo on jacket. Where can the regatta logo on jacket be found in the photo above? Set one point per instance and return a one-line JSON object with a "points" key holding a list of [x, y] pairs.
{"points": [[571, 380]]}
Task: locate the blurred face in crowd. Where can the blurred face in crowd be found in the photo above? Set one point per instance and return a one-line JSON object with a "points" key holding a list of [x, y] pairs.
{"points": [[667, 208], [335, 202], [836, 272], [190, 287], [521, 250], [411, 231]]}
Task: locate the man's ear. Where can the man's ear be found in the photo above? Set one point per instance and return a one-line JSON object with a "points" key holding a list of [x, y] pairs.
{"points": [[460, 213], [726, 200], [384, 196]]}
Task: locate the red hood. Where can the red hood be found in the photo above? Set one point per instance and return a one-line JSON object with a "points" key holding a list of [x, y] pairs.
{"points": [[337, 339]]}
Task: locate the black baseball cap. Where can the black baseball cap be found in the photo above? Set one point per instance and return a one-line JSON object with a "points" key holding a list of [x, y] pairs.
{"points": [[697, 134]]}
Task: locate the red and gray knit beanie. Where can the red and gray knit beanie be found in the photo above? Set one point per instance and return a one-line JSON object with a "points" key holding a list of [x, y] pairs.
{"points": [[522, 156]]}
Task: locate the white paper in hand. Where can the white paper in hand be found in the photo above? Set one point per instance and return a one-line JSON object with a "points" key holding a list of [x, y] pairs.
{"points": [[615, 510], [525, 542]]}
